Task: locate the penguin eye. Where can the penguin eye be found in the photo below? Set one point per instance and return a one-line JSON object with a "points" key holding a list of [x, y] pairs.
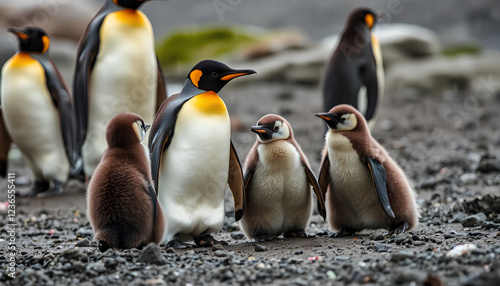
{"points": [[214, 74], [343, 119], [276, 128]]}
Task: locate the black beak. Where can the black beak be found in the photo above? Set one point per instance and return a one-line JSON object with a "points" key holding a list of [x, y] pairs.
{"points": [[146, 127], [332, 119], [263, 131], [19, 32]]}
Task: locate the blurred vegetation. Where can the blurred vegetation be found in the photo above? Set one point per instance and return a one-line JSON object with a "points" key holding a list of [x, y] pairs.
{"points": [[463, 49], [187, 46]]}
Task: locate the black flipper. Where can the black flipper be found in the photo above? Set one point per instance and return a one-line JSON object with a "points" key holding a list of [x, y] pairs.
{"points": [[379, 178], [317, 190], [368, 74], [236, 183]]}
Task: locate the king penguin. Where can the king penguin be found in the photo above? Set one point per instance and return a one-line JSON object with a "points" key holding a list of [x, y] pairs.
{"points": [[355, 74], [5, 142], [365, 188], [278, 182], [116, 71], [121, 201], [193, 158], [37, 111]]}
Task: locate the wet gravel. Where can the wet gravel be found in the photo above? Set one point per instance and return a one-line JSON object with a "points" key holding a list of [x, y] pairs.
{"points": [[454, 167]]}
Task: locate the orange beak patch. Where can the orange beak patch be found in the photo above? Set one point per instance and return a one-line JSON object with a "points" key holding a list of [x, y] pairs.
{"points": [[22, 35], [259, 131], [369, 20], [325, 118], [231, 76]]}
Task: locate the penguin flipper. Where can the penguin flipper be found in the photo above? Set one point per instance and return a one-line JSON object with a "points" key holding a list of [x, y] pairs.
{"points": [[379, 178], [64, 104], [368, 74], [236, 183], [5, 143], [317, 190], [324, 175], [154, 200]]}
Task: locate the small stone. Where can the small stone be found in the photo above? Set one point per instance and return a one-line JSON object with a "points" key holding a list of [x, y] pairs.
{"points": [[474, 220], [341, 258], [260, 248], [402, 255], [381, 247], [295, 260], [458, 217], [221, 253], [217, 247], [400, 238], [237, 235], [418, 243], [151, 255], [84, 232], [83, 242], [449, 235], [376, 236], [461, 249], [468, 178]]}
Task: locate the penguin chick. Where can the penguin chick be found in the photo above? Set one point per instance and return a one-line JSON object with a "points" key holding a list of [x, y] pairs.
{"points": [[355, 74], [193, 158], [122, 205], [37, 111], [116, 71], [278, 180], [365, 188]]}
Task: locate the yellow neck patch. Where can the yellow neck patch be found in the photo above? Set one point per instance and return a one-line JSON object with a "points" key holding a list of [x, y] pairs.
{"points": [[208, 102], [131, 17], [195, 77], [46, 43], [21, 59]]}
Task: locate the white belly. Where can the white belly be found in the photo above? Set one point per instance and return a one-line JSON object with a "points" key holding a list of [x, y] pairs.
{"points": [[33, 121], [353, 194], [194, 172], [123, 79]]}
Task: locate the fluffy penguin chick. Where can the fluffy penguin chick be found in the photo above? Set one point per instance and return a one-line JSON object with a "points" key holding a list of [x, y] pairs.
{"points": [[278, 180], [122, 205], [364, 187]]}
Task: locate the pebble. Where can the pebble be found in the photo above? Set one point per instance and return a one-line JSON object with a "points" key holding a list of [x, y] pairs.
{"points": [[376, 236], [217, 247], [260, 248], [474, 220], [83, 242], [221, 253], [402, 255], [151, 255], [342, 258], [381, 247]]}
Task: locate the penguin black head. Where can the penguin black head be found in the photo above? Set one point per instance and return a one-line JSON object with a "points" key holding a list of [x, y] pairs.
{"points": [[129, 4], [272, 127], [362, 16], [212, 75], [126, 129], [31, 39], [342, 118]]}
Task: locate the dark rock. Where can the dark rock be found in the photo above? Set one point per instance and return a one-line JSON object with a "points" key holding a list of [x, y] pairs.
{"points": [[237, 235], [83, 243], [381, 247], [400, 238], [488, 165], [260, 248], [84, 232], [151, 255], [341, 258], [376, 236], [402, 255], [221, 253], [458, 217], [487, 204], [474, 220], [217, 247]]}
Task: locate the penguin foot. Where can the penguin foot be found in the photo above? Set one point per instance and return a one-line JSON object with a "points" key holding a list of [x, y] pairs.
{"points": [[298, 232], [344, 232], [103, 246], [206, 240], [38, 188], [263, 237], [399, 228], [178, 244]]}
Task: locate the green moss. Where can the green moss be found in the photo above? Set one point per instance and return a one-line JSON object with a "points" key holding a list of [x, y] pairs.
{"points": [[468, 49], [189, 45]]}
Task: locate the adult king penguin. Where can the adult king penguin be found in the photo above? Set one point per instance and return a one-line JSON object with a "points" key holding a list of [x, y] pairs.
{"points": [[355, 74], [122, 205], [193, 158], [116, 71], [278, 183], [38, 112], [364, 187]]}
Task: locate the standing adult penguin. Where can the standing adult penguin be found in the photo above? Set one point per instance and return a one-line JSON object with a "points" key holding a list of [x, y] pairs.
{"points": [[5, 142], [121, 201], [116, 71], [193, 158], [38, 112], [364, 187], [355, 74], [278, 180]]}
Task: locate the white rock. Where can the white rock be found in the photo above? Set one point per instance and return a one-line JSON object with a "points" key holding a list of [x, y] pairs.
{"points": [[461, 249]]}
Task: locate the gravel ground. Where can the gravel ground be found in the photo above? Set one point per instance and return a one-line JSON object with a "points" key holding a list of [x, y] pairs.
{"points": [[448, 144]]}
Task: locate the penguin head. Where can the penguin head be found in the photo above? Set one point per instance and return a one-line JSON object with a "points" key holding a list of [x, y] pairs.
{"points": [[212, 75], [272, 127], [31, 39], [126, 129], [362, 16], [342, 118], [129, 4]]}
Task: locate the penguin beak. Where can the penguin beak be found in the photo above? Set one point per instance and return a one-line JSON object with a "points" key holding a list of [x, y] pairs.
{"points": [[146, 127], [18, 32], [263, 131], [237, 73], [332, 119]]}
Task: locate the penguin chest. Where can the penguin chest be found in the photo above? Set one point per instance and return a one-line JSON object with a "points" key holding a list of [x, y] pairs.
{"points": [[279, 180], [30, 115], [125, 72], [352, 185], [194, 169]]}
